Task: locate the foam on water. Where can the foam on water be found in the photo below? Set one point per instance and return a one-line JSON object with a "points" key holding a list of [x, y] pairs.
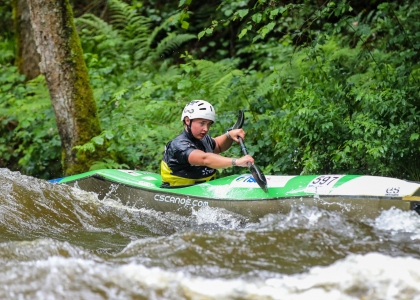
{"points": [[370, 276], [301, 216], [397, 221], [219, 217]]}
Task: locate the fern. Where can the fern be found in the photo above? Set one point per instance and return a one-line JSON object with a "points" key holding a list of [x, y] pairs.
{"points": [[165, 26], [103, 37], [92, 25], [172, 42], [267, 85], [217, 79], [132, 33], [134, 28]]}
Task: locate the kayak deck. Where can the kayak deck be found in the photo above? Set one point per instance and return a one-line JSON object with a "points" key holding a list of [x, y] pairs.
{"points": [[354, 194]]}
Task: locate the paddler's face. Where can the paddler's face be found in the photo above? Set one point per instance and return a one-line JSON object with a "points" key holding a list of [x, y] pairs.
{"points": [[199, 127]]}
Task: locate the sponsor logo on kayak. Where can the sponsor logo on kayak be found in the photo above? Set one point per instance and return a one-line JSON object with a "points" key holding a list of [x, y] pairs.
{"points": [[248, 181], [145, 183], [245, 178], [137, 173], [132, 173], [149, 178], [393, 191], [180, 200]]}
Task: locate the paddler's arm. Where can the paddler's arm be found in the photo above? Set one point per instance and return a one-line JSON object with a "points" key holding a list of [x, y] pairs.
{"points": [[224, 141], [216, 161]]}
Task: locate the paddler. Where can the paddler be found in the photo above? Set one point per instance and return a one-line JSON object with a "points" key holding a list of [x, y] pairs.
{"points": [[193, 156]]}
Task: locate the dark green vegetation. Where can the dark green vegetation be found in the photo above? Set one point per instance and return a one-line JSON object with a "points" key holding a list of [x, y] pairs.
{"points": [[327, 87]]}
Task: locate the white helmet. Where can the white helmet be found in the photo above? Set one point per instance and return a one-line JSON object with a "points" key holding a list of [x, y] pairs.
{"points": [[199, 109]]}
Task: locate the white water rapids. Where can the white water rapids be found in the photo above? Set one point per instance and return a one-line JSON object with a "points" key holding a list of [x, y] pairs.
{"points": [[58, 242]]}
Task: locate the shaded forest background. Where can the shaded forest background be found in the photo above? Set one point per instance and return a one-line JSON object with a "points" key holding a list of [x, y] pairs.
{"points": [[327, 87]]}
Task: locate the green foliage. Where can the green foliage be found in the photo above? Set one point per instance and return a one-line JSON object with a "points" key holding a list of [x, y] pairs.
{"points": [[107, 164], [326, 87], [7, 51], [6, 20], [28, 133], [131, 34]]}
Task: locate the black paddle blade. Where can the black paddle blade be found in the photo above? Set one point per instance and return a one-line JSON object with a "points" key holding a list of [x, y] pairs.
{"points": [[259, 177], [239, 122]]}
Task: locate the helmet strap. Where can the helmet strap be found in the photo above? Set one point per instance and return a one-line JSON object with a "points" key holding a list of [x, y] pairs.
{"points": [[188, 126]]}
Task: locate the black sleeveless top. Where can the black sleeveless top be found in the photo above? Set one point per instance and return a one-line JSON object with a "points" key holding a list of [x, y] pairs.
{"points": [[176, 158]]}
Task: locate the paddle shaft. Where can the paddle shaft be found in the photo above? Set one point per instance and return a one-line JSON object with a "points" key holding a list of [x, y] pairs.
{"points": [[255, 171], [243, 148]]}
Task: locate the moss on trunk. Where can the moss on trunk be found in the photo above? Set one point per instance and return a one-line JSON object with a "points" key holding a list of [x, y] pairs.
{"points": [[67, 77]]}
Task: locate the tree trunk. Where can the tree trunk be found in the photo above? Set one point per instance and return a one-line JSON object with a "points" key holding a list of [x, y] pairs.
{"points": [[66, 74], [27, 57]]}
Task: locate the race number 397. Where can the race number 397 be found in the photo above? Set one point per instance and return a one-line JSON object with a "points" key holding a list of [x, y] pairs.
{"points": [[322, 184]]}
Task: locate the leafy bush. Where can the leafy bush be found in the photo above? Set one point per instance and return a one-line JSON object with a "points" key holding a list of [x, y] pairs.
{"points": [[28, 133], [326, 89]]}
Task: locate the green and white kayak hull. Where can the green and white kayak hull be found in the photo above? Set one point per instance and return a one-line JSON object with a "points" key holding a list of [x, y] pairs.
{"points": [[361, 195]]}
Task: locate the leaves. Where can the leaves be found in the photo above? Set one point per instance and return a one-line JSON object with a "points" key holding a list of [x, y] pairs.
{"points": [[324, 90]]}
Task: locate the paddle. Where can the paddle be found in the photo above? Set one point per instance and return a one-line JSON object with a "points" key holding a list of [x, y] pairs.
{"points": [[255, 170], [239, 122]]}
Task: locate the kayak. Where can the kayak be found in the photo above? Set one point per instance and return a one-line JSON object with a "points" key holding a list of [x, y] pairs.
{"points": [[359, 195]]}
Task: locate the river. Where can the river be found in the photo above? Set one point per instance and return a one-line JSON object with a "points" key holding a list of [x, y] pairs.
{"points": [[58, 242]]}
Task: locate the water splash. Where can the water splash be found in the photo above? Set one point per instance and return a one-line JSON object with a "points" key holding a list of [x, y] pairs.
{"points": [[218, 218], [397, 221]]}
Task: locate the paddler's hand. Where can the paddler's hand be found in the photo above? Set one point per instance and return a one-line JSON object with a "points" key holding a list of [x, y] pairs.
{"points": [[244, 160], [235, 133]]}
